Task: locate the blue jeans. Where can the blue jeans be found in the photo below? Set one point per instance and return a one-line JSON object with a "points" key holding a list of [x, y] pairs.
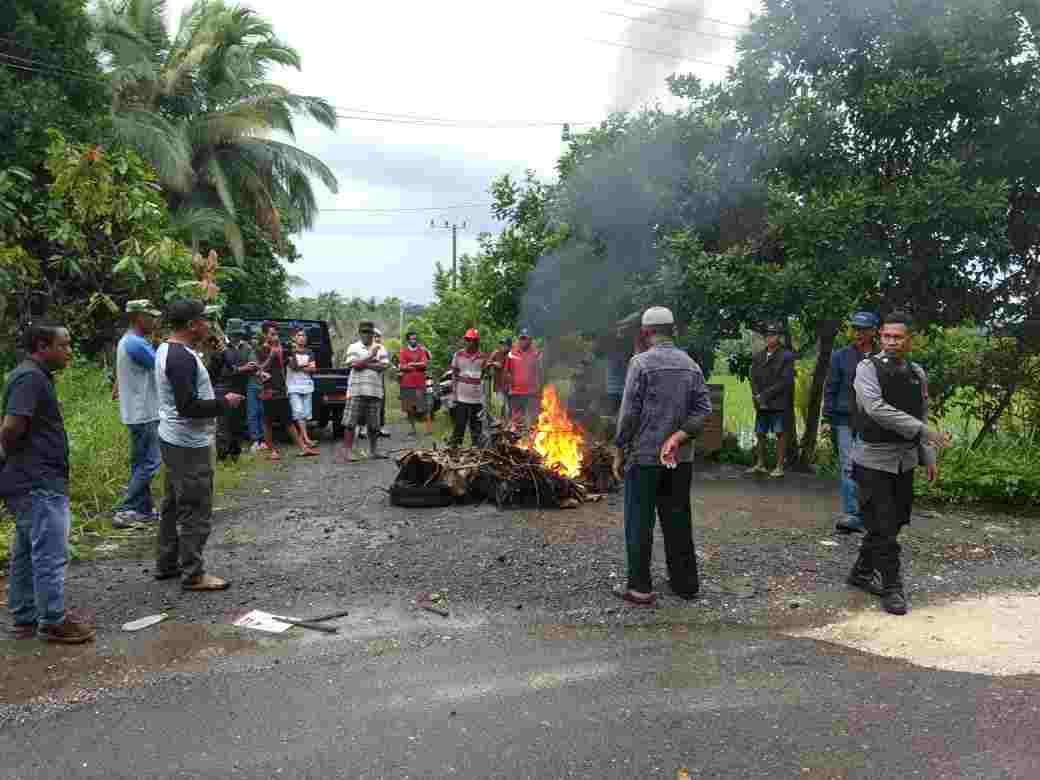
{"points": [[254, 413], [145, 460], [36, 589], [844, 440]]}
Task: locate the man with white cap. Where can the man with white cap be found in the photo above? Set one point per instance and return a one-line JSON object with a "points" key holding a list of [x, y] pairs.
{"points": [[139, 411], [664, 406]]}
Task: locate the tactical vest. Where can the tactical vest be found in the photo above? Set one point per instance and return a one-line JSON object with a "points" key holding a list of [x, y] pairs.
{"points": [[902, 389]]}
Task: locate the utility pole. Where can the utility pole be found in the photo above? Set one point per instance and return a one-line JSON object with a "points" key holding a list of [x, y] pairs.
{"points": [[454, 228]]}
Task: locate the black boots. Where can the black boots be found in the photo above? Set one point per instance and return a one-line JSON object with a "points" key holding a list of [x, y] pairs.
{"points": [[864, 577], [892, 599]]}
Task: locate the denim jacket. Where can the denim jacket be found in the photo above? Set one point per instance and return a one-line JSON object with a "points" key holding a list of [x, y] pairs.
{"points": [[664, 393]]}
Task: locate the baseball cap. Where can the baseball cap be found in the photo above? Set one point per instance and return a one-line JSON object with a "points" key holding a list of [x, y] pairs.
{"points": [[472, 335], [863, 319], [524, 334], [773, 329], [657, 315], [366, 327], [377, 331], [184, 310], [143, 306]]}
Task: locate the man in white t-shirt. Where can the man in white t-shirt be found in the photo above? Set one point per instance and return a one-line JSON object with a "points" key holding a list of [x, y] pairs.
{"points": [[139, 411], [467, 372], [367, 361]]}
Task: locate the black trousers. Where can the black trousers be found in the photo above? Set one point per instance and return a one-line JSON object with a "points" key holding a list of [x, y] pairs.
{"points": [[463, 414], [657, 492], [886, 500], [187, 510]]}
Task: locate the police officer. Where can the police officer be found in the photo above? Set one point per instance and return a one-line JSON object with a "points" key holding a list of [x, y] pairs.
{"points": [[891, 419]]}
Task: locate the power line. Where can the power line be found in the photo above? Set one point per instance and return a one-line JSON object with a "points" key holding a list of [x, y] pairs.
{"points": [[458, 125], [503, 122], [686, 14], [670, 26], [669, 54], [412, 210]]}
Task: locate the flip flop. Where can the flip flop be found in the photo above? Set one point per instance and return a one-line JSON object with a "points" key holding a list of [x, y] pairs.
{"points": [[206, 582], [625, 594]]}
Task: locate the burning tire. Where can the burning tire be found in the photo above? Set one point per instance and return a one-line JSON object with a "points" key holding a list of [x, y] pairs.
{"points": [[419, 496]]}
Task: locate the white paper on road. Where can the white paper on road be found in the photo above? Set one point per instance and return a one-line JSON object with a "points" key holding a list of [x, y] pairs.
{"points": [[145, 622], [262, 621]]}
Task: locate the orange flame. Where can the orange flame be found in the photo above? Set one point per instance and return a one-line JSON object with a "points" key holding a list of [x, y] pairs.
{"points": [[559, 441]]}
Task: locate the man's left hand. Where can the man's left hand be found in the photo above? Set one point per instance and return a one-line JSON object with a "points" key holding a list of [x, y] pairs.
{"points": [[933, 473]]}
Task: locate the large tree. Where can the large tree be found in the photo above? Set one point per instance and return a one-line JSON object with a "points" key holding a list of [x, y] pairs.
{"points": [[199, 105]]}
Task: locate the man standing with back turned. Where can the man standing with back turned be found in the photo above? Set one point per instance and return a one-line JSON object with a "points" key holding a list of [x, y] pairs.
{"points": [[891, 418], [187, 411], [665, 405]]}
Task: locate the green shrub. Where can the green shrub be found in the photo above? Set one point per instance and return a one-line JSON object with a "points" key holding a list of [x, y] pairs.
{"points": [[1006, 471]]}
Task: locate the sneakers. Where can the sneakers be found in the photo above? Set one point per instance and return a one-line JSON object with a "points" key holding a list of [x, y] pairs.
{"points": [[777, 472], [849, 524], [758, 468], [68, 633], [128, 519]]}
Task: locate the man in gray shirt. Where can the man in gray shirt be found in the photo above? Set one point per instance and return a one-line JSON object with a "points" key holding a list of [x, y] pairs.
{"points": [[891, 419], [139, 411], [665, 405]]}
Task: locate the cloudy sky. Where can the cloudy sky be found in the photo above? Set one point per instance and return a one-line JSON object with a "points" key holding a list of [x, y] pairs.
{"points": [[502, 73]]}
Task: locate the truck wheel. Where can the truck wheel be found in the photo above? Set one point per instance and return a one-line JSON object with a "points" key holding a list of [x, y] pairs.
{"points": [[418, 496]]}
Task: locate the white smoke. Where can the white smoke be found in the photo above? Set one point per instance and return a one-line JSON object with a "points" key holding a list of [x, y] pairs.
{"points": [[685, 27]]}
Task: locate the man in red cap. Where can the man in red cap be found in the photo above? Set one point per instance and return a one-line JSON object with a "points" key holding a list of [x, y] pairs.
{"points": [[467, 371], [524, 369]]}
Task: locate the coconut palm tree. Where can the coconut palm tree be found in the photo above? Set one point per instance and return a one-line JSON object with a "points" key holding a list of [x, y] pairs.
{"points": [[199, 105]]}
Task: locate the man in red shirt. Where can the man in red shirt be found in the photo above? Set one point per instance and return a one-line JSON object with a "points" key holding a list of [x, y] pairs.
{"points": [[524, 369], [414, 360], [467, 372]]}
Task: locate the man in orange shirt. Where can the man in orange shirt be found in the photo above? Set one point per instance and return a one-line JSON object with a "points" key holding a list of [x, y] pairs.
{"points": [[524, 369]]}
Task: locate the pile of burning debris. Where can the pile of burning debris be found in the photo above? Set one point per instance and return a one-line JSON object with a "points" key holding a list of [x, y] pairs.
{"points": [[552, 466]]}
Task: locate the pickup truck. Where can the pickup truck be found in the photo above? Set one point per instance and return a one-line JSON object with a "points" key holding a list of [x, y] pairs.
{"points": [[330, 384]]}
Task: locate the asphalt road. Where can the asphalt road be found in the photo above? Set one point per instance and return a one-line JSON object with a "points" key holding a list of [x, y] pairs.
{"points": [[537, 673]]}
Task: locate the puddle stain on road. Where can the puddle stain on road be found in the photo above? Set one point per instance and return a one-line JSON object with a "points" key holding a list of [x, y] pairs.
{"points": [[32, 672]]}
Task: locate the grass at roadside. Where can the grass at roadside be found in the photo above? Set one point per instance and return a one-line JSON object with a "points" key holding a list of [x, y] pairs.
{"points": [[100, 461]]}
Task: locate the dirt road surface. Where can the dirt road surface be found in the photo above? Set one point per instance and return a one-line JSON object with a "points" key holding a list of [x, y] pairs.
{"points": [[538, 671]]}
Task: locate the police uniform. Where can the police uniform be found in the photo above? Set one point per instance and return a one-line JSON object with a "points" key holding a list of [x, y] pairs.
{"points": [[890, 419]]}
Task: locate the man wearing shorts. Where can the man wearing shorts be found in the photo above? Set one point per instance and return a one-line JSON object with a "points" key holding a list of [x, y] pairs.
{"points": [[414, 360], [772, 384], [367, 361]]}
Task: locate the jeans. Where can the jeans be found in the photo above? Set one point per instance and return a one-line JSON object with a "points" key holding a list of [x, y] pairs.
{"points": [[650, 489], [844, 440], [254, 413], [187, 510], [145, 461], [36, 588]]}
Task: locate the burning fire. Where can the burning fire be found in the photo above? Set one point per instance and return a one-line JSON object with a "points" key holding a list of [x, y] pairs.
{"points": [[559, 441]]}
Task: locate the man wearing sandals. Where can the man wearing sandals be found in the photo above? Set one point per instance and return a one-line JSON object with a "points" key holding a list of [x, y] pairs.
{"points": [[367, 361], [664, 406], [187, 415]]}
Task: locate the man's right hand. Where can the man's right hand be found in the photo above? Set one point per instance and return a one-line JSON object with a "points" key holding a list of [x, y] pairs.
{"points": [[233, 400], [935, 438], [825, 429]]}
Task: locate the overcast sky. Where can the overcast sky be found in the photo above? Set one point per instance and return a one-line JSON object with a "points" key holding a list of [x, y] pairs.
{"points": [[472, 60]]}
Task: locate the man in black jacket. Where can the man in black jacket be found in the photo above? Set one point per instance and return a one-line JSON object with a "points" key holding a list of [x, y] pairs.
{"points": [[772, 384]]}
